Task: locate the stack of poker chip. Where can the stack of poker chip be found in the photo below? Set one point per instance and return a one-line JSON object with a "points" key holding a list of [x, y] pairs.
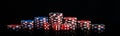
{"points": [[56, 26], [40, 22], [98, 27], [65, 26], [84, 24], [27, 24], [71, 21], [55, 19], [46, 26], [14, 27]]}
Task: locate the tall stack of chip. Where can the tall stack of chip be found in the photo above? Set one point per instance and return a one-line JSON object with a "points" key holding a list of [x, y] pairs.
{"points": [[98, 27], [27, 24], [37, 22], [72, 21], [55, 19], [84, 24], [14, 27], [40, 21]]}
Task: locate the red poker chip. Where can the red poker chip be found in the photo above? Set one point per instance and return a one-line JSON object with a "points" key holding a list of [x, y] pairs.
{"points": [[46, 26], [56, 26], [65, 27], [13, 26]]}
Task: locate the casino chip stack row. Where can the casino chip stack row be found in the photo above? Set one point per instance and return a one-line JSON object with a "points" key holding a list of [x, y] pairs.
{"points": [[71, 21], [14, 27], [84, 24], [55, 19], [98, 27], [27, 24]]}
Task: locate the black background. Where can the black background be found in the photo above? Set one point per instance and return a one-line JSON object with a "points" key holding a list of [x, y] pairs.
{"points": [[97, 11]]}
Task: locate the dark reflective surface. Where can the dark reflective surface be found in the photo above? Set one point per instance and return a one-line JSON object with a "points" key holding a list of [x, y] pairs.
{"points": [[53, 33]]}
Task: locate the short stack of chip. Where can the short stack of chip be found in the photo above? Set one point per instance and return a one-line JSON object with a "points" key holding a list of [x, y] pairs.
{"points": [[98, 27], [27, 24], [71, 21], [84, 24], [55, 19], [14, 27]]}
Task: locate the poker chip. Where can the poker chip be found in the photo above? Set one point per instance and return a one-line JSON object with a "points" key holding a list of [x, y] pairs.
{"points": [[14, 27], [65, 27], [84, 24], [39, 22], [27, 24], [46, 26], [71, 21], [56, 26], [98, 27], [56, 19]]}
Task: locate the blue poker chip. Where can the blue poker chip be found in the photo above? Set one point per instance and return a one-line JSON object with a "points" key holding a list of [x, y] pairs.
{"points": [[41, 18], [97, 27], [22, 21], [28, 21]]}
